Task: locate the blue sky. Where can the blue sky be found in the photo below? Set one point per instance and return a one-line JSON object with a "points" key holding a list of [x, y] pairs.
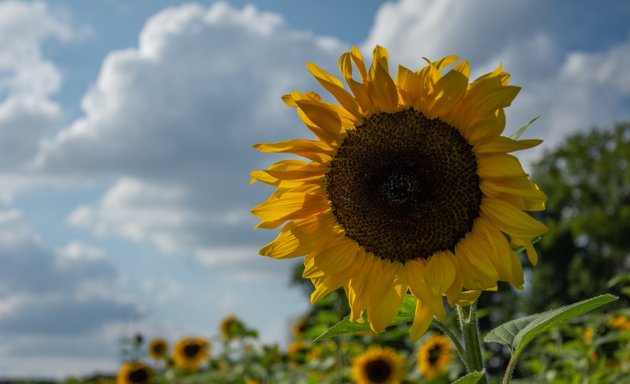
{"points": [[126, 131]]}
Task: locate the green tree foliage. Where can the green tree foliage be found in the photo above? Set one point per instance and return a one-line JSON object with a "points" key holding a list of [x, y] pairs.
{"points": [[587, 180]]}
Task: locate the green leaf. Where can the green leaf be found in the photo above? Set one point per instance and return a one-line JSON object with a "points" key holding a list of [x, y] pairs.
{"points": [[405, 315], [470, 378], [618, 279], [518, 333], [522, 129]]}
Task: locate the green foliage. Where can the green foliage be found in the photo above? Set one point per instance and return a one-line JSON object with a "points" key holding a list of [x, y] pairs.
{"points": [[345, 326], [587, 180], [471, 378], [516, 334]]}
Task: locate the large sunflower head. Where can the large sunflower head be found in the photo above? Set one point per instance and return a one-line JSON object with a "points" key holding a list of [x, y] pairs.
{"points": [[434, 356], [158, 349], [408, 187], [134, 373], [378, 366], [191, 352]]}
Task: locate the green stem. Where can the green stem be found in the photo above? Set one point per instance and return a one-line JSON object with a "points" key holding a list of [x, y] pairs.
{"points": [[455, 339], [470, 330], [510, 368]]}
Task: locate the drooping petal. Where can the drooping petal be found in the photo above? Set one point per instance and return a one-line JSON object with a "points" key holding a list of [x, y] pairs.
{"points": [[421, 320], [439, 272], [419, 288]]}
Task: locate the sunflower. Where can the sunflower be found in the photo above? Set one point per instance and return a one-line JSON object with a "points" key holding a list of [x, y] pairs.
{"points": [[587, 335], [297, 352], [378, 366], [158, 349], [231, 327], [134, 373], [434, 356], [621, 322], [190, 353], [409, 186]]}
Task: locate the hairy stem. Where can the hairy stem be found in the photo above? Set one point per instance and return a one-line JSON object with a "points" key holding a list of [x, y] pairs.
{"points": [[470, 329]]}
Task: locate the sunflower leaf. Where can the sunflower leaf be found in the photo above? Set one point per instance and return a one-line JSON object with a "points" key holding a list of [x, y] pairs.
{"points": [[522, 129], [471, 378], [516, 334], [345, 326]]}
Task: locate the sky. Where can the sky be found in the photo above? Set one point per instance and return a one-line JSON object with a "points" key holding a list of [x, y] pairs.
{"points": [[126, 130]]}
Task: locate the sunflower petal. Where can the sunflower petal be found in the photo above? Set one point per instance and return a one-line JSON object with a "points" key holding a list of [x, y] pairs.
{"points": [[421, 320], [383, 311], [440, 272], [297, 238], [335, 87], [381, 87], [419, 288], [511, 220], [450, 89]]}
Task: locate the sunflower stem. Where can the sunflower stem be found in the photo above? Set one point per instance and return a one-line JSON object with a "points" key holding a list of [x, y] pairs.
{"points": [[470, 329], [461, 352]]}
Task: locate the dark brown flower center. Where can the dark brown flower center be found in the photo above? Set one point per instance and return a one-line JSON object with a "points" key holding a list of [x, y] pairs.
{"points": [[378, 371], [139, 375], [159, 348], [191, 350], [404, 186], [434, 354]]}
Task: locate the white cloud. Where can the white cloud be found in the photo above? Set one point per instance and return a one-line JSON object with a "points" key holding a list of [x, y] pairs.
{"points": [[27, 82], [572, 90], [176, 118], [51, 302]]}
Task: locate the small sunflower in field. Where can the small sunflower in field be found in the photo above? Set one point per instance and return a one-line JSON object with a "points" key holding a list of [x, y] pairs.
{"points": [[621, 322], [378, 366], [298, 352], [409, 186], [434, 356], [587, 335], [231, 327], [134, 373], [158, 349], [191, 353]]}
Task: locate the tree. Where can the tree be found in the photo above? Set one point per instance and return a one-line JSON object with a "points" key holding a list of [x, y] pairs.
{"points": [[587, 180]]}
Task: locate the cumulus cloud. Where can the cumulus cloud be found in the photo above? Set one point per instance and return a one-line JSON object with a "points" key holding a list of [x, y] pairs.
{"points": [[27, 82], [176, 117], [48, 296], [571, 89]]}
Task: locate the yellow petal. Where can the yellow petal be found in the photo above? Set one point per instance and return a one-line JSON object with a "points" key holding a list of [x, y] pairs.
{"points": [[335, 87], [383, 310], [493, 166], [358, 61], [440, 272], [450, 89], [501, 144], [291, 205], [331, 260], [421, 320], [468, 297], [532, 255], [409, 85], [300, 237], [381, 87], [322, 116], [326, 285], [511, 220], [419, 288], [314, 150]]}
